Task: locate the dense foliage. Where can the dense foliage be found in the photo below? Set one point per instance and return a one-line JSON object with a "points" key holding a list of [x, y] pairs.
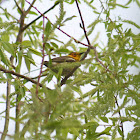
{"points": [[57, 107]]}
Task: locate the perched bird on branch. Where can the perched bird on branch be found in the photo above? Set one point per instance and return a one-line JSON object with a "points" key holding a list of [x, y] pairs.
{"points": [[64, 63]]}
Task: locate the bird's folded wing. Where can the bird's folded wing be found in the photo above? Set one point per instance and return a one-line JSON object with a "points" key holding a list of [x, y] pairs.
{"points": [[63, 59]]}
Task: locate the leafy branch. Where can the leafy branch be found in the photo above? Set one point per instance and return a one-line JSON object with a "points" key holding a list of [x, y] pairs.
{"points": [[19, 75]]}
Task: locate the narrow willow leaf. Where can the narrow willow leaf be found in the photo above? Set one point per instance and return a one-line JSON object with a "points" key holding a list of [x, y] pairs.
{"points": [[33, 13], [138, 2], [104, 119], [35, 52], [106, 131], [48, 28], [74, 131], [132, 23], [27, 62], [8, 47], [120, 131], [89, 4], [128, 2], [4, 58], [70, 18], [5, 37], [30, 59], [26, 43], [90, 93], [54, 45], [59, 51], [116, 4], [72, 1]]}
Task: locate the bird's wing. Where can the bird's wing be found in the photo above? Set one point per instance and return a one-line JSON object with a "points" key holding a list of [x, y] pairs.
{"points": [[63, 59], [59, 60]]}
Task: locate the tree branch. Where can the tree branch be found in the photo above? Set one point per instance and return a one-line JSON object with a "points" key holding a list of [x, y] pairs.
{"points": [[7, 111], [28, 10], [63, 81], [43, 53], [89, 45], [6, 134], [19, 75], [120, 117], [18, 7], [25, 27]]}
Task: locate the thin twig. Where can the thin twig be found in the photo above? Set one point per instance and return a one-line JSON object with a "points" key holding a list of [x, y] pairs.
{"points": [[83, 24], [19, 75], [40, 15], [7, 111], [117, 30], [43, 53], [63, 81], [28, 10], [85, 32], [120, 117], [9, 14], [6, 134], [94, 48], [18, 7], [57, 27], [89, 45]]}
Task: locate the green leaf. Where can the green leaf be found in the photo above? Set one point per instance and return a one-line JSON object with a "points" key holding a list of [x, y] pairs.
{"points": [[5, 37], [120, 131], [90, 93], [19, 54], [35, 52], [6, 14], [71, 2], [35, 31], [26, 43], [96, 12], [121, 6], [138, 3], [33, 13], [128, 2], [106, 131], [74, 131], [31, 60], [77, 89], [8, 47], [28, 61], [48, 28], [104, 119], [40, 23], [89, 124], [116, 4], [132, 23], [60, 51], [54, 45], [70, 18], [4, 58]]}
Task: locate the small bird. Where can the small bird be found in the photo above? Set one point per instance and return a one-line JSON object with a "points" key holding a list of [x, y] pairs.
{"points": [[63, 63]]}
